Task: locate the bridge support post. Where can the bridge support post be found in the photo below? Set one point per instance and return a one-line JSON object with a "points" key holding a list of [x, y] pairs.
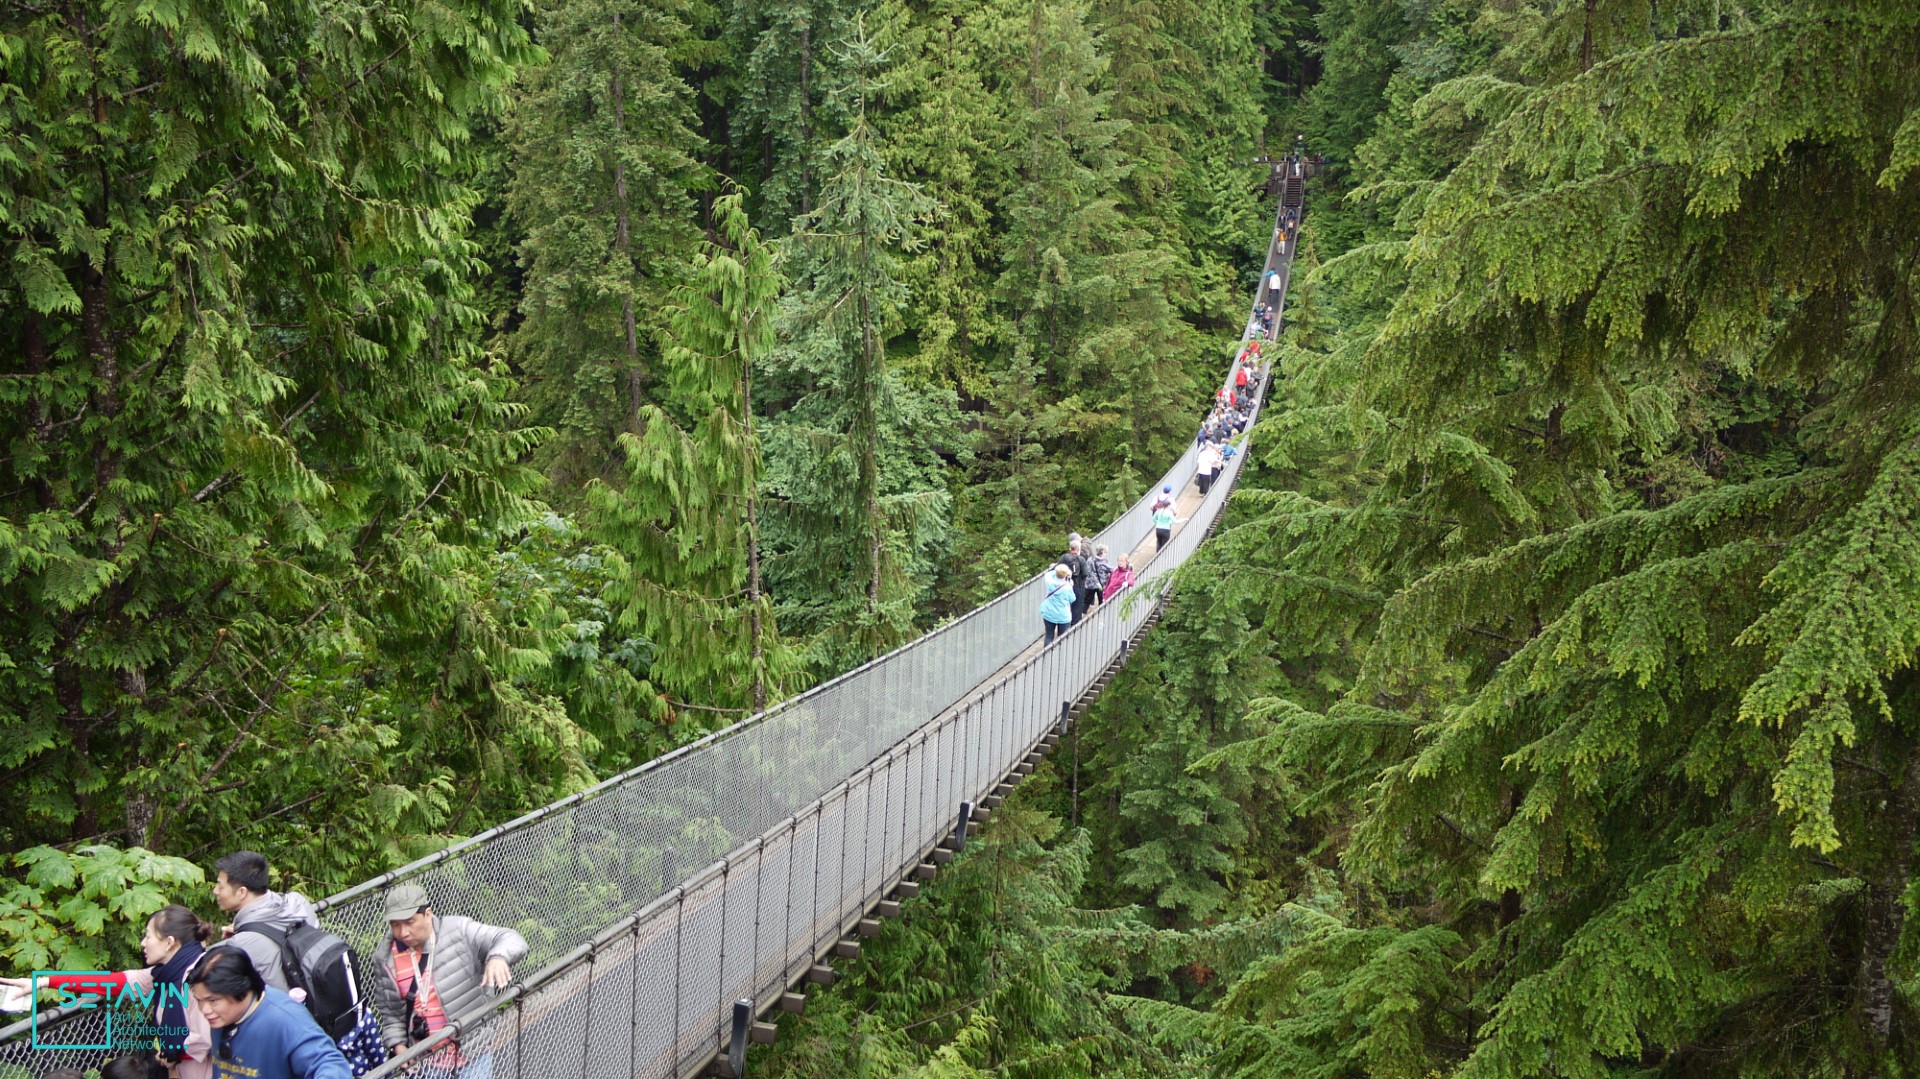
{"points": [[960, 826], [737, 1044], [1066, 714], [669, 869]]}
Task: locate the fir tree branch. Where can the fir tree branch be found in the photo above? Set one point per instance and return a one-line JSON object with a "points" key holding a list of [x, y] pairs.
{"points": [[1461, 832], [706, 707]]}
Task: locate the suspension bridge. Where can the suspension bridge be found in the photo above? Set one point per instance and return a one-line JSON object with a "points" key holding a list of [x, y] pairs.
{"points": [[671, 908]]}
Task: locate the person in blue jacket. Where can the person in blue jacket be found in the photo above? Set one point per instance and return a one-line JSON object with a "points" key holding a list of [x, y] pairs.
{"points": [[1056, 607], [259, 1033]]}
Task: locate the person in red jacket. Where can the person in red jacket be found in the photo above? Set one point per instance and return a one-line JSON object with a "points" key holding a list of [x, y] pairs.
{"points": [[1120, 579]]}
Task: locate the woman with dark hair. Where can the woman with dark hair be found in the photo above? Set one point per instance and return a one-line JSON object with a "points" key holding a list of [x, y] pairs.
{"points": [[174, 941], [259, 1032]]}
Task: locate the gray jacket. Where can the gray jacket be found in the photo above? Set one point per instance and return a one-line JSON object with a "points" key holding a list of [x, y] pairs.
{"points": [[458, 957], [275, 910]]}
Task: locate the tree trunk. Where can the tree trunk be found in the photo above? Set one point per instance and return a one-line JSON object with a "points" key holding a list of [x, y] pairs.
{"points": [[1586, 38], [140, 811], [869, 435], [33, 346], [623, 243], [1885, 920], [756, 626], [806, 117], [1510, 909]]}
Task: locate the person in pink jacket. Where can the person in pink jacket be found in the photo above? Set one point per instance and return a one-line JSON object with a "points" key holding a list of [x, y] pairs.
{"points": [[175, 940], [1120, 578]]}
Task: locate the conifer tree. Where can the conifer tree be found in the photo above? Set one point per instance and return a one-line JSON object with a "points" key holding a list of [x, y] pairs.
{"points": [[256, 457], [1185, 77], [1606, 524], [605, 172], [685, 526], [944, 129], [782, 111], [1017, 992], [1085, 287], [853, 549], [1171, 836]]}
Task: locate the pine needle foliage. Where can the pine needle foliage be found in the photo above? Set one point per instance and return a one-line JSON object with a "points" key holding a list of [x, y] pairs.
{"points": [[782, 63], [606, 170], [1016, 994], [1594, 507], [257, 467], [685, 527], [851, 457]]}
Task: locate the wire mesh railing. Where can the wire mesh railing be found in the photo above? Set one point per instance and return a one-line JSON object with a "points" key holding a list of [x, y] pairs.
{"points": [[720, 871], [654, 995], [663, 987]]}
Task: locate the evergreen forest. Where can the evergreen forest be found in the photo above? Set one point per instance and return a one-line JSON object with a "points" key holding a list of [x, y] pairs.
{"points": [[415, 411]]}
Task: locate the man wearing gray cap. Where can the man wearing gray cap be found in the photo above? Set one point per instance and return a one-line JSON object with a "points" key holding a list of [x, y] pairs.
{"points": [[439, 968]]}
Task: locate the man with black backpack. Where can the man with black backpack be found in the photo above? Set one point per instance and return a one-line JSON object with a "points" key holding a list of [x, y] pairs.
{"points": [[262, 917], [281, 934], [438, 968], [1083, 577]]}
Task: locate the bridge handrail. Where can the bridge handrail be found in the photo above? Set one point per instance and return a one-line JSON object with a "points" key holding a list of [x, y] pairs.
{"points": [[633, 953]]}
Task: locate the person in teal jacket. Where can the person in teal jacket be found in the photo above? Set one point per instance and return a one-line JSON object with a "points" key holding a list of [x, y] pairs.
{"points": [[1056, 607], [1163, 522], [258, 1032]]}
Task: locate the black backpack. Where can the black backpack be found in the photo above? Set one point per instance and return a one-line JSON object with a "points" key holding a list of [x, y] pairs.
{"points": [[322, 964]]}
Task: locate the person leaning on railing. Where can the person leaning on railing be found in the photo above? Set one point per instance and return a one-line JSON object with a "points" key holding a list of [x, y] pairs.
{"points": [[439, 968]]}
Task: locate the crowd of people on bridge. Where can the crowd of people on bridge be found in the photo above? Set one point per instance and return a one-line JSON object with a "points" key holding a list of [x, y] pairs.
{"points": [[1086, 576], [1079, 581], [274, 996]]}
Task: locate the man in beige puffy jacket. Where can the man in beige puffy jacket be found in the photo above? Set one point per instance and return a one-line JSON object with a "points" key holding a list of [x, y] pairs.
{"points": [[438, 968]]}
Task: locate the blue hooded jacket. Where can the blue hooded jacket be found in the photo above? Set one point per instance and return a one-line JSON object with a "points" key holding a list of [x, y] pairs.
{"points": [[278, 1039], [1056, 605]]}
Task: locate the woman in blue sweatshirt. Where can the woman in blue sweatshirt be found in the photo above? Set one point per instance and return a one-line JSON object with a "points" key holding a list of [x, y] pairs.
{"points": [[1056, 606], [259, 1033]]}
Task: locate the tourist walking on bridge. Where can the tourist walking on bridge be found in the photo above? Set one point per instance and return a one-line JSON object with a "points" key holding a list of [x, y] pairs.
{"points": [[282, 936], [1056, 607], [261, 916], [1076, 560], [1102, 572], [1086, 583], [439, 968], [1121, 578], [1208, 464], [1163, 522]]}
